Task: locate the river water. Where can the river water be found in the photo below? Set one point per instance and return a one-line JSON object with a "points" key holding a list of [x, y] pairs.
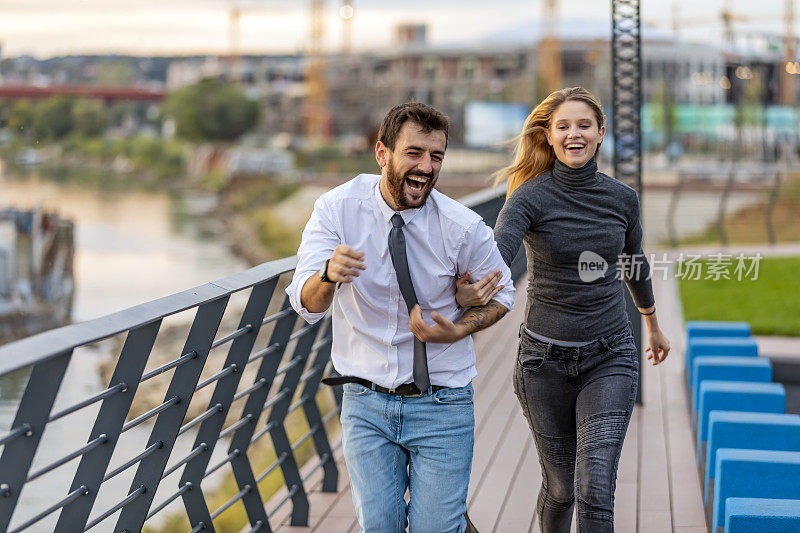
{"points": [[130, 247]]}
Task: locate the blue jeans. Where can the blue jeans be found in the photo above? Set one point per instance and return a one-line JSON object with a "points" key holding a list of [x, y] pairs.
{"points": [[423, 444], [578, 403]]}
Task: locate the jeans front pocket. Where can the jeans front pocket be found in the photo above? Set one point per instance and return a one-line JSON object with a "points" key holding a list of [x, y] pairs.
{"points": [[532, 354], [622, 344], [354, 389], [454, 396]]}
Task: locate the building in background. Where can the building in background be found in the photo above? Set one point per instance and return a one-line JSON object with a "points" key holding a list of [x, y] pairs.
{"points": [[686, 86]]}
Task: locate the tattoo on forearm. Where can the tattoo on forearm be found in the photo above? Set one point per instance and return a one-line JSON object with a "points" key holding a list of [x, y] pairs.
{"points": [[478, 318]]}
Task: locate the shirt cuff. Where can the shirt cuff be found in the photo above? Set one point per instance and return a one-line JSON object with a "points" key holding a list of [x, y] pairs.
{"points": [[506, 297], [294, 290]]}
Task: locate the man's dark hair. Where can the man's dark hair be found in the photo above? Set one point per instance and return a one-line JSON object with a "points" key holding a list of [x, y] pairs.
{"points": [[426, 117]]}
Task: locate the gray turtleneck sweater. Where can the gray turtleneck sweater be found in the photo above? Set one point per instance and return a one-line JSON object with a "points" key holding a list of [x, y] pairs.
{"points": [[577, 224]]}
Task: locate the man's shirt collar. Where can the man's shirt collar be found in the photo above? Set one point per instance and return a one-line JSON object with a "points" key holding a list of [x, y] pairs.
{"points": [[387, 212]]}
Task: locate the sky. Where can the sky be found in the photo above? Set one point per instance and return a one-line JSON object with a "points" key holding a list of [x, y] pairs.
{"points": [[46, 28]]}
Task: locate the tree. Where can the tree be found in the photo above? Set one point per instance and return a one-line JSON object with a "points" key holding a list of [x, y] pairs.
{"points": [[212, 110], [90, 117], [54, 118], [21, 117], [664, 111]]}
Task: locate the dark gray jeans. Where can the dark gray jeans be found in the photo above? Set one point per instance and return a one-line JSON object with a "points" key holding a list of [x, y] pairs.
{"points": [[578, 402]]}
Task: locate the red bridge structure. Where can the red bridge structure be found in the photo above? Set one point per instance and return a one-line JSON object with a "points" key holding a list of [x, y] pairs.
{"points": [[107, 93]]}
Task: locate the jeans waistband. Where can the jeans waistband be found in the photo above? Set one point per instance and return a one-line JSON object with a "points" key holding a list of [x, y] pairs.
{"points": [[594, 347]]}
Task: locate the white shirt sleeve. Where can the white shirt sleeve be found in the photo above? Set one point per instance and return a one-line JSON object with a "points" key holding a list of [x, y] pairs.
{"points": [[319, 239], [479, 254]]}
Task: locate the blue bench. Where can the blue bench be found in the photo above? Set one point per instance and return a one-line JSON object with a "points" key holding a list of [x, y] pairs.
{"points": [[719, 346], [735, 396], [727, 369], [753, 474], [756, 515], [744, 430], [699, 328]]}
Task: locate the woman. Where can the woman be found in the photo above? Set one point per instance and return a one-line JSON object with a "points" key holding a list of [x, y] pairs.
{"points": [[577, 367]]}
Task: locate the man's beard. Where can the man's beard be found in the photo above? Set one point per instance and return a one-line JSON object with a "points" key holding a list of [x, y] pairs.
{"points": [[397, 186]]}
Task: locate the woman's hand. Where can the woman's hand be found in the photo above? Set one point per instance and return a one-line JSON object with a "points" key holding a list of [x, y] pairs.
{"points": [[659, 345], [479, 293]]}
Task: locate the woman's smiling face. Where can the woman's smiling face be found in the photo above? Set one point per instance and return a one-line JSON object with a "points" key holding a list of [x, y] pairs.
{"points": [[574, 133]]}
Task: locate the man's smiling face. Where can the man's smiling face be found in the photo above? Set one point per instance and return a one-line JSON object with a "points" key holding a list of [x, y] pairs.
{"points": [[410, 171]]}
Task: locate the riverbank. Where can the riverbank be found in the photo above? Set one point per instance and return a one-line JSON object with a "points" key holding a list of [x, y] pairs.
{"points": [[263, 216]]}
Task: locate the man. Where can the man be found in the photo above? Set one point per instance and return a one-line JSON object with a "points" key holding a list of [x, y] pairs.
{"points": [[386, 251]]}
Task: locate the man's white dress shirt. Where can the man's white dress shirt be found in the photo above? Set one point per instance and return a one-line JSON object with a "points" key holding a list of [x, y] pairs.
{"points": [[444, 239]]}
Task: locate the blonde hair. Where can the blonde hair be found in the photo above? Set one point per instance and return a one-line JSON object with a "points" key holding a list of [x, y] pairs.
{"points": [[533, 155]]}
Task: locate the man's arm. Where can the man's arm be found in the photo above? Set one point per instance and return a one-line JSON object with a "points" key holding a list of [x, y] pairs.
{"points": [[446, 331], [478, 318], [320, 240], [344, 265]]}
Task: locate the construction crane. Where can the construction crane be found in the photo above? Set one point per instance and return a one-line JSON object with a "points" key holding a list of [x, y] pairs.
{"points": [[728, 18], [234, 15], [788, 81], [550, 65], [346, 13], [234, 27], [316, 116]]}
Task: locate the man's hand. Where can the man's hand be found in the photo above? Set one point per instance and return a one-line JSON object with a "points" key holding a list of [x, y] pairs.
{"points": [[447, 331], [345, 264], [479, 293], [443, 330]]}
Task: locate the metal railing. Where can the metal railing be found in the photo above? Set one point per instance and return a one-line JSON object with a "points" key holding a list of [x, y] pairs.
{"points": [[283, 358]]}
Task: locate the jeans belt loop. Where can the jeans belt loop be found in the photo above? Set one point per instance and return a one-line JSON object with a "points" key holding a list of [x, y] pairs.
{"points": [[373, 386], [549, 348], [521, 327], [604, 342]]}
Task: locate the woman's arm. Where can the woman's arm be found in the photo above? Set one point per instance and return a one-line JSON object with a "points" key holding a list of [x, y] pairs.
{"points": [[515, 219], [637, 277], [657, 343]]}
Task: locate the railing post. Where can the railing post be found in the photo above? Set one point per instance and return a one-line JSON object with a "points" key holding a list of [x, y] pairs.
{"points": [[209, 431], [242, 470], [165, 430], [110, 419], [330, 480], [32, 413], [277, 420]]}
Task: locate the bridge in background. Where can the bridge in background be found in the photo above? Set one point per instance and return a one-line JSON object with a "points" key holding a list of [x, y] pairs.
{"points": [[101, 92]]}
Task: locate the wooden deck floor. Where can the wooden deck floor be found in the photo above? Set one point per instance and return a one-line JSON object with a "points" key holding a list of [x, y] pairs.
{"points": [[658, 489]]}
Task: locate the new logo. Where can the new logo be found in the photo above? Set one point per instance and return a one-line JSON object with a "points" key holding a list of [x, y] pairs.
{"points": [[591, 266]]}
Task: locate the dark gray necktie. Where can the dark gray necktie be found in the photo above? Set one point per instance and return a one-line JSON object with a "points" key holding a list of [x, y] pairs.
{"points": [[397, 249]]}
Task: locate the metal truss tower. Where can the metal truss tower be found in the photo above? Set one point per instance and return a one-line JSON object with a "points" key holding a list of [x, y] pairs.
{"points": [[626, 58], [626, 73]]}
